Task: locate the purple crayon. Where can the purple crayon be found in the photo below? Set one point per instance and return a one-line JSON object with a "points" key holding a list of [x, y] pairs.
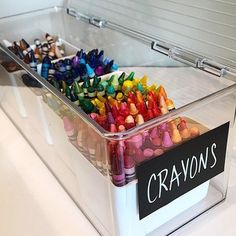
{"points": [[117, 165]]}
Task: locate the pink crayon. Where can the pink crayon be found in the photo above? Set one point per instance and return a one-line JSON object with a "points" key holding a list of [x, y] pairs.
{"points": [[70, 129], [138, 155], [166, 140], [98, 156], [135, 141], [156, 141], [154, 133], [148, 153], [129, 165]]}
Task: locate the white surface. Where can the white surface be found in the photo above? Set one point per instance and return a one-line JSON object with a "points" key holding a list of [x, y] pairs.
{"points": [[33, 203], [31, 200], [13, 7]]}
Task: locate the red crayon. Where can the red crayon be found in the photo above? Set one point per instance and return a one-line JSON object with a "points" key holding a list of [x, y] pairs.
{"points": [[141, 106], [102, 120], [131, 97], [114, 111], [124, 110], [120, 120]]}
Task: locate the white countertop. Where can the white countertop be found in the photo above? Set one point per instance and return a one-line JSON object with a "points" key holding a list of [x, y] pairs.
{"points": [[33, 203]]}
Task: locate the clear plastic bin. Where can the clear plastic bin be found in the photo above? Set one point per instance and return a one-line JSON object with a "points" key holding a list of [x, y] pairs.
{"points": [[79, 152]]}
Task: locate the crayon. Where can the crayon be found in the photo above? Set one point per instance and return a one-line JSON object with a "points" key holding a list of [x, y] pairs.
{"points": [[45, 67], [148, 153], [19, 51], [118, 171], [33, 62], [110, 91], [38, 44], [49, 39], [183, 129], [166, 140], [45, 50], [129, 167], [70, 129], [194, 131], [129, 122], [98, 156]]}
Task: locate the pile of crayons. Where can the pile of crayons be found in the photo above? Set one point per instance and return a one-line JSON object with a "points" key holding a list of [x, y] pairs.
{"points": [[123, 103], [56, 68], [36, 53], [118, 102], [127, 101], [120, 158]]}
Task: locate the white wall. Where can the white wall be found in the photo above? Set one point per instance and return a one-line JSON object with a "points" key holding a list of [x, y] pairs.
{"points": [[12, 7]]}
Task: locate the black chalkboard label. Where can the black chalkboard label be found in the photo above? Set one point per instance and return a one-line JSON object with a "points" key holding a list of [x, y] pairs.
{"points": [[167, 177]]}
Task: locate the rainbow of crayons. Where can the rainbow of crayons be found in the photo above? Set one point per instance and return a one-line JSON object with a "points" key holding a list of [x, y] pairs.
{"points": [[124, 103], [118, 103]]}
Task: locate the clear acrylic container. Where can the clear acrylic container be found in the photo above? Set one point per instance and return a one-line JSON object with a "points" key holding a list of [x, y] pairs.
{"points": [[79, 153]]}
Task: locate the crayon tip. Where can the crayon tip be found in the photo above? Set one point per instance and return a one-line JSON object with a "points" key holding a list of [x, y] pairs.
{"points": [[120, 120], [154, 133], [166, 140], [135, 141], [86, 105], [110, 118], [183, 129], [129, 122], [120, 96], [194, 131], [130, 76], [127, 86], [156, 141], [121, 128], [133, 109], [176, 137], [158, 152], [99, 71], [139, 119], [163, 106], [93, 116], [148, 153], [170, 104], [111, 91], [140, 88], [114, 67], [113, 128], [90, 71]]}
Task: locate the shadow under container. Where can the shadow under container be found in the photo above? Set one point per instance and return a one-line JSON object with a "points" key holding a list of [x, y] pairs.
{"points": [[125, 183]]}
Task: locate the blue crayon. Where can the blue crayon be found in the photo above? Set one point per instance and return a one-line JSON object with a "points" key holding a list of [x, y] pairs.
{"points": [[45, 67], [90, 71], [68, 63]]}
